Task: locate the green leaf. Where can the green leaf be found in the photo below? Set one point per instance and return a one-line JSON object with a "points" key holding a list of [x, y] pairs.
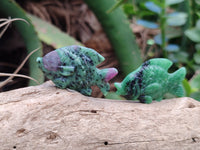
{"points": [[196, 96], [195, 82], [172, 2], [187, 87], [198, 14], [129, 9], [179, 57], [198, 24], [52, 35], [158, 39], [153, 7], [172, 48], [115, 6], [176, 19], [193, 34], [147, 24], [197, 58], [196, 67], [198, 2], [158, 3], [197, 47]]}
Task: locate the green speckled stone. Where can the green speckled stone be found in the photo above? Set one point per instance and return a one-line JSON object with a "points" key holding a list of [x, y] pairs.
{"points": [[151, 81], [74, 67]]}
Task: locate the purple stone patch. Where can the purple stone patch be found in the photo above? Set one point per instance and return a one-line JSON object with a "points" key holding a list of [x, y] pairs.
{"points": [[112, 72], [51, 61]]}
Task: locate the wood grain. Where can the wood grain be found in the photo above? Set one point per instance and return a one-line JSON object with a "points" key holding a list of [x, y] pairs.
{"points": [[47, 118]]}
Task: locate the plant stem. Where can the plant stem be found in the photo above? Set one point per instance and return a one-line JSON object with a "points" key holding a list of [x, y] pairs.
{"points": [[193, 11], [163, 26], [186, 7], [117, 27]]}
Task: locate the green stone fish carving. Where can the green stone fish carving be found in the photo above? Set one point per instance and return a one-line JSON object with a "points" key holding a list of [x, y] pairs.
{"points": [[151, 81], [74, 67]]}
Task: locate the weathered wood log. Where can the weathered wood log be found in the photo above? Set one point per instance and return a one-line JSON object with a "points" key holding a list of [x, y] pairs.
{"points": [[45, 117]]}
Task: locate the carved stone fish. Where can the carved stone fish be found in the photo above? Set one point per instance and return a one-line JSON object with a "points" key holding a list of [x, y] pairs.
{"points": [[151, 81], [74, 67]]}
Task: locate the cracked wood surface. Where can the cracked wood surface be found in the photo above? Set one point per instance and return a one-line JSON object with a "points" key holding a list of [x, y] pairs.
{"points": [[45, 117]]}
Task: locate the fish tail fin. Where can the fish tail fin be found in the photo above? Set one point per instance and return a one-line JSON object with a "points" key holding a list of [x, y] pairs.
{"points": [[120, 89], [175, 80], [108, 73], [178, 75], [118, 86], [178, 91]]}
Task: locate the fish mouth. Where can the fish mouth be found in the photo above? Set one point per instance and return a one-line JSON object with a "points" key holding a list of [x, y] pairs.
{"points": [[39, 61]]}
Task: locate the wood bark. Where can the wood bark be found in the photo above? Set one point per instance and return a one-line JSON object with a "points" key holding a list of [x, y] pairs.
{"points": [[47, 118]]}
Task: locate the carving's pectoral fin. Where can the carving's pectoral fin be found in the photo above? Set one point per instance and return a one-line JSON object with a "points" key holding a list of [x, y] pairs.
{"points": [[153, 88], [155, 91], [87, 91], [145, 99], [104, 87], [66, 70]]}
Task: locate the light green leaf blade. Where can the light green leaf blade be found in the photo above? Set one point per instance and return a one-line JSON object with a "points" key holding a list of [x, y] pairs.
{"points": [[196, 96], [197, 58], [198, 2], [179, 57], [193, 34], [52, 35], [195, 82], [176, 19], [197, 47], [198, 24], [172, 2], [187, 87]]}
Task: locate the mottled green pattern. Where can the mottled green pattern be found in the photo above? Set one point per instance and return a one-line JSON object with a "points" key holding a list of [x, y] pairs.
{"points": [[74, 67], [151, 81]]}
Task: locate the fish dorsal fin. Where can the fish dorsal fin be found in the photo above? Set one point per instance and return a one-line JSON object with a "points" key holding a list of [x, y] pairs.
{"points": [[93, 55], [161, 62], [84, 53]]}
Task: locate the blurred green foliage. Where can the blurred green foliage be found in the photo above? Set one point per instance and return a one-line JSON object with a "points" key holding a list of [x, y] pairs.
{"points": [[12, 9], [179, 37]]}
